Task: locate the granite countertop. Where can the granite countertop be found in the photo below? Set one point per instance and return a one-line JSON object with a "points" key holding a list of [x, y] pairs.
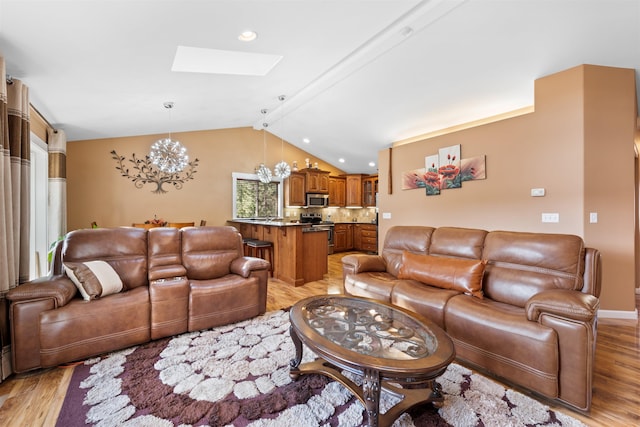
{"points": [[356, 222], [278, 223]]}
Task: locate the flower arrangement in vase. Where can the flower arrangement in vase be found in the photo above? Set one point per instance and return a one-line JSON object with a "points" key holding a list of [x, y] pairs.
{"points": [[158, 222]]}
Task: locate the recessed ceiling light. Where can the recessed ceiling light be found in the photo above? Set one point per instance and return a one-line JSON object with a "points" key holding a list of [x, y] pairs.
{"points": [[306, 140], [248, 36], [341, 160], [372, 164]]}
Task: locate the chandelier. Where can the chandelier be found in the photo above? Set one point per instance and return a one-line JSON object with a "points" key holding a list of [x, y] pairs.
{"points": [[263, 172], [282, 169], [167, 154]]}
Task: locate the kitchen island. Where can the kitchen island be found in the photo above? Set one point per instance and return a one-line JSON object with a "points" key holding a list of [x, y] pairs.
{"points": [[300, 251]]}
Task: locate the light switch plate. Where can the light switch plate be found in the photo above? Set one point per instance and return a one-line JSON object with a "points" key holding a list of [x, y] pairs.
{"points": [[386, 215], [593, 217], [537, 192], [551, 217]]}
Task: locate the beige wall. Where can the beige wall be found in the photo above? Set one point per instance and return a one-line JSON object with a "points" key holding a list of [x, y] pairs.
{"points": [[577, 144], [609, 179], [97, 192]]}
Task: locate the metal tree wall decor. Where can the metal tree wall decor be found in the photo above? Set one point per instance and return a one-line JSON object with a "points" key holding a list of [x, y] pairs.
{"points": [[144, 172]]}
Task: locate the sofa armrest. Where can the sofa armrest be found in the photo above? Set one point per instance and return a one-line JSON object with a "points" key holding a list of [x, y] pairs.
{"points": [[28, 302], [166, 272], [59, 288], [592, 272], [359, 263], [564, 303], [245, 265]]}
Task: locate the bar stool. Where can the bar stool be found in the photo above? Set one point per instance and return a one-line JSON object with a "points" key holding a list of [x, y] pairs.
{"points": [[245, 246], [260, 248]]}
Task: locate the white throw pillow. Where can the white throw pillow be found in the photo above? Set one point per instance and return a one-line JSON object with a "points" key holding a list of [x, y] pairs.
{"points": [[94, 279]]}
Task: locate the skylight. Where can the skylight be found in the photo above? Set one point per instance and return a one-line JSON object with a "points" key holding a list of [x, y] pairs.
{"points": [[215, 61]]}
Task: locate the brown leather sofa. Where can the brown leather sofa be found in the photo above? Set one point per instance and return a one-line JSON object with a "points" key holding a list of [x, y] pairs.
{"points": [[174, 281], [534, 320]]}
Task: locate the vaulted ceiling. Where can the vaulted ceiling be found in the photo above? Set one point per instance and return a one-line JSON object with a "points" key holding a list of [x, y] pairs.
{"points": [[357, 74]]}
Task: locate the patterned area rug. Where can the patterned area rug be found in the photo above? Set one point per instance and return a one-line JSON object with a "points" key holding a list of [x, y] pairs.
{"points": [[238, 375]]}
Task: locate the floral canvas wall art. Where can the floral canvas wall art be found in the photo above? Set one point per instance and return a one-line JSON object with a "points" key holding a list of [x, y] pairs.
{"points": [[431, 176], [445, 170], [473, 168], [449, 169], [413, 179]]}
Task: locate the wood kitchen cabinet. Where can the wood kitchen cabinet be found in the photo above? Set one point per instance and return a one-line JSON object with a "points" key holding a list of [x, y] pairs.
{"points": [[365, 237], [244, 229], [354, 190], [294, 189], [256, 231], [342, 237], [317, 181], [314, 256], [361, 190], [357, 238], [369, 190], [337, 191]]}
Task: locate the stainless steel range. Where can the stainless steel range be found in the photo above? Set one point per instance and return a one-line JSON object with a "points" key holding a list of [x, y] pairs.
{"points": [[315, 219]]}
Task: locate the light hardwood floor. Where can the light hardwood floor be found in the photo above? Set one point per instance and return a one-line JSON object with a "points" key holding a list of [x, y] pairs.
{"points": [[35, 399]]}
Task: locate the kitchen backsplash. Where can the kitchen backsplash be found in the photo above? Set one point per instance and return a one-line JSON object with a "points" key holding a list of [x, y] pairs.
{"points": [[335, 214]]}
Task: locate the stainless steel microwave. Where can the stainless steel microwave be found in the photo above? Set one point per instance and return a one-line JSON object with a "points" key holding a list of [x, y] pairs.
{"points": [[317, 200]]}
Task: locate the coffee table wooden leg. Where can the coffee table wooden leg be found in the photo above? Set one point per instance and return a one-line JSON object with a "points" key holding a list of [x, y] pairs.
{"points": [[371, 394], [436, 397], [294, 372]]}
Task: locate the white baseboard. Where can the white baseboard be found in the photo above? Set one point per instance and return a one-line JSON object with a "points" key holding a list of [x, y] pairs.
{"points": [[618, 314]]}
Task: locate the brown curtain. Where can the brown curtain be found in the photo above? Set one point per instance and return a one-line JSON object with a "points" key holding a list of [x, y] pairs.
{"points": [[15, 167]]}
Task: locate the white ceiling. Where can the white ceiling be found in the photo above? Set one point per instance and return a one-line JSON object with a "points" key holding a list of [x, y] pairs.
{"points": [[355, 81]]}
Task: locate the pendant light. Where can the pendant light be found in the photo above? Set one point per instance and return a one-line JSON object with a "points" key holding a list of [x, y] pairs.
{"points": [[282, 169], [166, 154], [263, 172]]}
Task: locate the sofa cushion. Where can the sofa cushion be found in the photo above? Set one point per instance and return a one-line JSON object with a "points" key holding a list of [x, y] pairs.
{"points": [[463, 275], [457, 242], [499, 338], [207, 252], [375, 284], [402, 238], [94, 279], [427, 301], [124, 248], [520, 264], [235, 298], [80, 330]]}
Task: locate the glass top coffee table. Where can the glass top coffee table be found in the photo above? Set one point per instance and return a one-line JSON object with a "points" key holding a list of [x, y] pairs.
{"points": [[390, 347]]}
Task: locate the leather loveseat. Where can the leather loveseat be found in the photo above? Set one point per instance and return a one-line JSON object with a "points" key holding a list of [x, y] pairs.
{"points": [[520, 306], [172, 281]]}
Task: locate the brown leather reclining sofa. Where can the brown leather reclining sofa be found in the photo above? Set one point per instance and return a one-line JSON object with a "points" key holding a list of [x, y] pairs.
{"points": [[173, 281], [520, 306]]}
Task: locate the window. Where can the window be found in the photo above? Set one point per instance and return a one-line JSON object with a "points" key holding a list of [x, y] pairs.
{"points": [[255, 199], [39, 242]]}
